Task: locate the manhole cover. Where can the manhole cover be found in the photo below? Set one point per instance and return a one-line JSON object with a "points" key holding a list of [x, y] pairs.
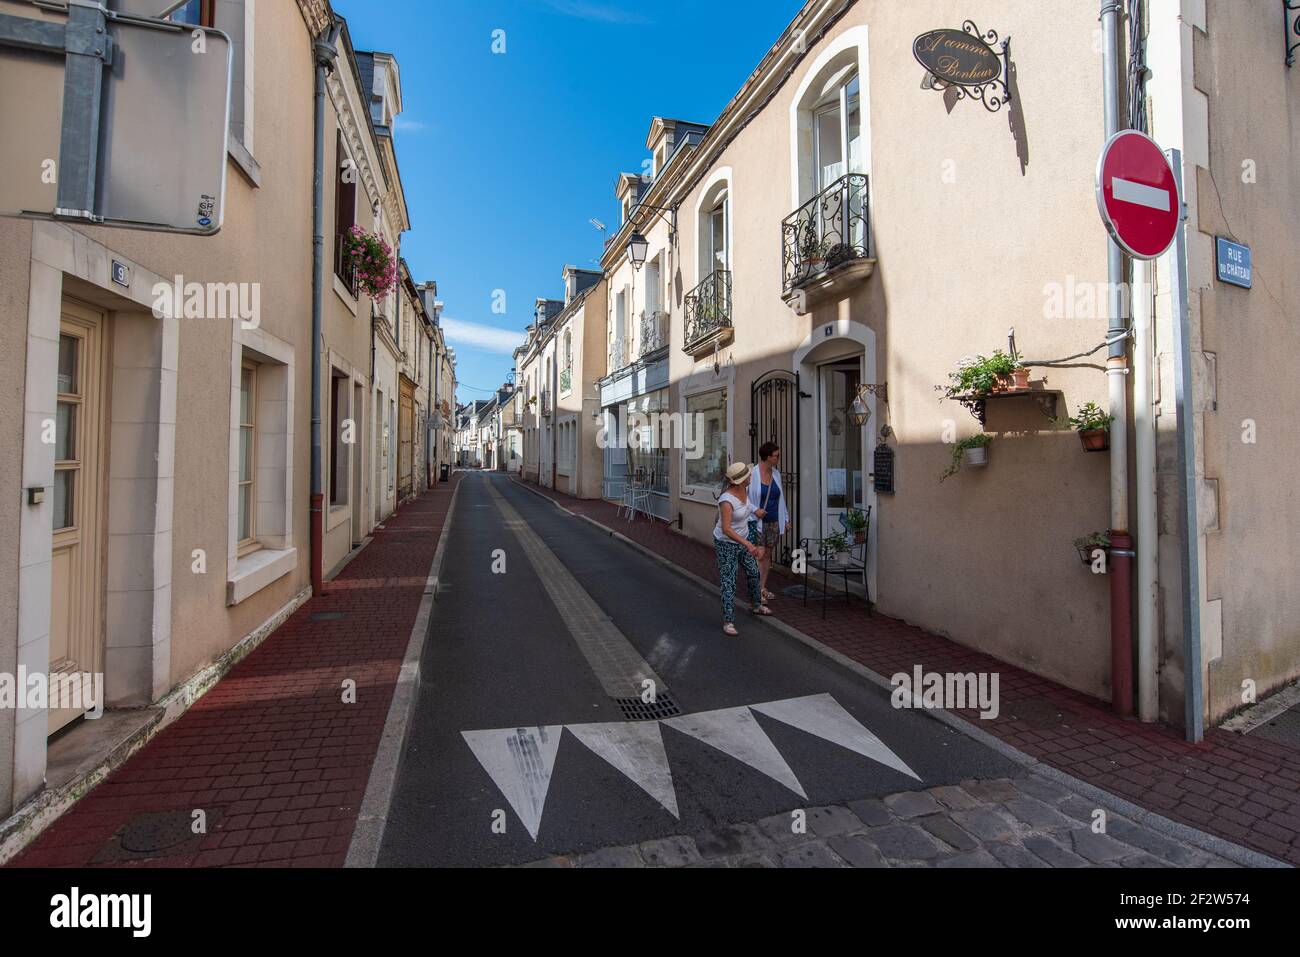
{"points": [[1037, 713], [329, 616], [156, 831], [634, 709], [1284, 729]]}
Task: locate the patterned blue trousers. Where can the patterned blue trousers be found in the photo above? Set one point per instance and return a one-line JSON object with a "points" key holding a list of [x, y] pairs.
{"points": [[730, 554]]}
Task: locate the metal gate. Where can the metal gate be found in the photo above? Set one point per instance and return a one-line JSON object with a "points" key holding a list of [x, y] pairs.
{"points": [[774, 409]]}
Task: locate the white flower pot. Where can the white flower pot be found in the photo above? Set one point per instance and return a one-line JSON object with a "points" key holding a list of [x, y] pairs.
{"points": [[978, 457]]}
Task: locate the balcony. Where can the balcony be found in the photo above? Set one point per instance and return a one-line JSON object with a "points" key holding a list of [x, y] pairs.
{"points": [[618, 356], [826, 243], [708, 314], [546, 402], [344, 270], [566, 381], [654, 332]]}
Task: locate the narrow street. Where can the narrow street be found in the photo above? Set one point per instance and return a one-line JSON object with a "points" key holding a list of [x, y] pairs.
{"points": [[753, 729]]}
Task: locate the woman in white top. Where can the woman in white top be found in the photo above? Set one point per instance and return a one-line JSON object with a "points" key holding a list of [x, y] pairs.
{"points": [[735, 541]]}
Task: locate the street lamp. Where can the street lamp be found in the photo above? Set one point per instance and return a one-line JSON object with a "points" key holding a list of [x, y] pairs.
{"points": [[637, 248]]}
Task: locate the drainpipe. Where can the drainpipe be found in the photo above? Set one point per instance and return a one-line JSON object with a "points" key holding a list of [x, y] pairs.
{"points": [[1121, 551], [326, 53]]}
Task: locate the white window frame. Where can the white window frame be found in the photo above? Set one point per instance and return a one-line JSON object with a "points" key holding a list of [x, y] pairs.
{"points": [[707, 493]]}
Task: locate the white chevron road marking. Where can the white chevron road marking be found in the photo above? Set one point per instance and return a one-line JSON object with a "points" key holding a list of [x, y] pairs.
{"points": [[735, 732], [636, 749], [519, 761], [822, 715]]}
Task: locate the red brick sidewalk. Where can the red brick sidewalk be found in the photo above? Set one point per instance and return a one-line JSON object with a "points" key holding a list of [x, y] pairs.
{"points": [[1244, 789], [272, 755]]}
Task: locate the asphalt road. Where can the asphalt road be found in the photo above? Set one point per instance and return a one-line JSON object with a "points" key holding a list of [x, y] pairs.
{"points": [[515, 652]]}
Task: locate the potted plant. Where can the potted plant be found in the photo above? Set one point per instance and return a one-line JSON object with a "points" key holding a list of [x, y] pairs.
{"points": [[812, 253], [837, 547], [373, 260], [1093, 426], [1090, 543], [973, 451], [1003, 368], [855, 521], [1020, 377]]}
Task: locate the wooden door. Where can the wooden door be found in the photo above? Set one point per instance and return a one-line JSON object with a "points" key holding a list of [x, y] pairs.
{"points": [[76, 629], [405, 440]]}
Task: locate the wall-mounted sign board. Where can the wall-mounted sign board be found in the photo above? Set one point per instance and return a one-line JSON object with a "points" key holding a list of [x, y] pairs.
{"points": [[1234, 262], [957, 57], [156, 95]]}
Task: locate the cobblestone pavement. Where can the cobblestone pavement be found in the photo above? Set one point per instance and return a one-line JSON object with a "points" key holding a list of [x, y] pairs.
{"points": [[1030, 821]]}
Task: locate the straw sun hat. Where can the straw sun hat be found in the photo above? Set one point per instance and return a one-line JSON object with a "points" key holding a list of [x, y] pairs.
{"points": [[738, 473]]}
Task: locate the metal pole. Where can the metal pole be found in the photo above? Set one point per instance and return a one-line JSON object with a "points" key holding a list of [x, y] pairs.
{"points": [[326, 52], [1145, 505], [89, 50], [1121, 553], [1189, 529]]}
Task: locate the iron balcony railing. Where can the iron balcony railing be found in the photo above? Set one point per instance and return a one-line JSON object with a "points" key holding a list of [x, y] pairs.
{"points": [[707, 310], [654, 331], [618, 355], [344, 269], [546, 402], [566, 380], [831, 229]]}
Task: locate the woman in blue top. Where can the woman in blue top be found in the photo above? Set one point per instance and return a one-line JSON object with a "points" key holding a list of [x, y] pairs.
{"points": [[766, 493]]}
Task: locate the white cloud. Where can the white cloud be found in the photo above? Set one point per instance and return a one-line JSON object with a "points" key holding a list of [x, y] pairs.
{"points": [[475, 335], [402, 123], [599, 12]]}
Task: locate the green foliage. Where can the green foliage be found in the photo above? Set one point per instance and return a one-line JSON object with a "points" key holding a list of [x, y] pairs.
{"points": [[855, 520], [979, 441], [1093, 540], [835, 543], [1091, 417], [978, 376]]}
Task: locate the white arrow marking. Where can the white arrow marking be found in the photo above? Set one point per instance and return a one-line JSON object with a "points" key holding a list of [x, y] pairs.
{"points": [[636, 749], [822, 715], [1127, 191], [735, 732], [519, 761]]}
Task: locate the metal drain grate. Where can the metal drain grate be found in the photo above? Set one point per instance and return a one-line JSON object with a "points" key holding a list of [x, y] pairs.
{"points": [[1284, 729], [329, 616], [634, 709]]}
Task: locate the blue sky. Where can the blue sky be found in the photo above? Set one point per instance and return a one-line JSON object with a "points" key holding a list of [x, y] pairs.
{"points": [[505, 157]]}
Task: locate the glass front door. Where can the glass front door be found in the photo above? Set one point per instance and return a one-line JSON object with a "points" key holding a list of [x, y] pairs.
{"points": [[841, 442]]}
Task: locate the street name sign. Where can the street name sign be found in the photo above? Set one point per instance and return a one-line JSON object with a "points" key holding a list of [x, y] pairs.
{"points": [[1234, 261], [1137, 195]]}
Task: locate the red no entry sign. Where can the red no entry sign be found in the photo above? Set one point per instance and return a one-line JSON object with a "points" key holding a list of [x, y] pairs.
{"points": [[1137, 194]]}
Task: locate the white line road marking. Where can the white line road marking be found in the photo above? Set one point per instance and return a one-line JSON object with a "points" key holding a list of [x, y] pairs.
{"points": [[617, 665], [823, 716], [519, 761], [636, 749], [735, 732], [1127, 191]]}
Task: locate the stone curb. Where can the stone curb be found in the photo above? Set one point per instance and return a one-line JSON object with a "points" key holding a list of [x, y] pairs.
{"points": [[372, 817], [1158, 823]]}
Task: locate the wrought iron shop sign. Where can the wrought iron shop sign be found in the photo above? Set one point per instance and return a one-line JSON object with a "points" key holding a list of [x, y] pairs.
{"points": [[966, 59]]}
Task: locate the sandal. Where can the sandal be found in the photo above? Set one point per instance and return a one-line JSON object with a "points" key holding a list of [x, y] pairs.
{"points": [[768, 595], [729, 629], [763, 611]]}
